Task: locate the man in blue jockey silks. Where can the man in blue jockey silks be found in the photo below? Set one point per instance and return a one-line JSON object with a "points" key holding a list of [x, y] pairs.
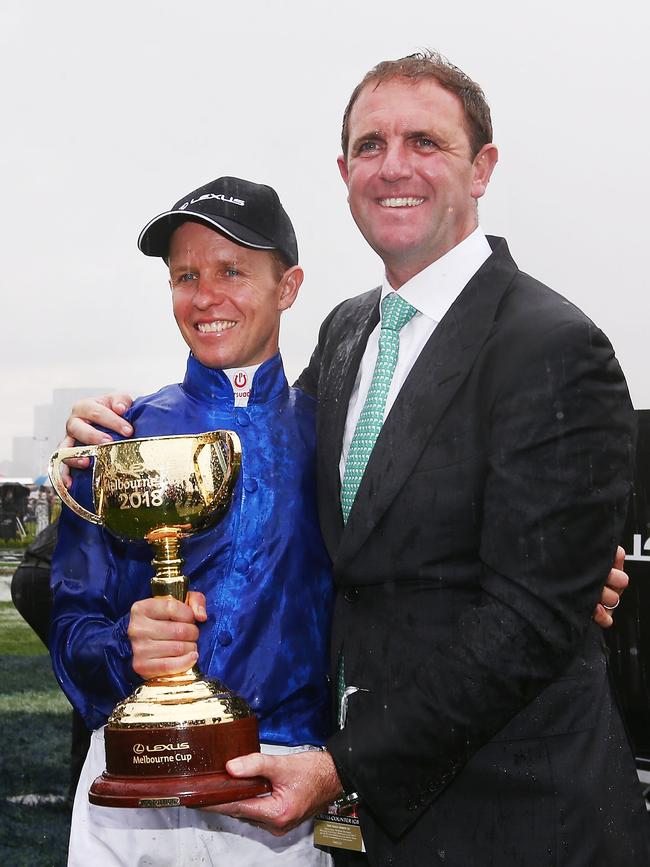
{"points": [[259, 615]]}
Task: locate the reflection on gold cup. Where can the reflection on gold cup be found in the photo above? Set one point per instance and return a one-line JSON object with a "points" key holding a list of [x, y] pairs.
{"points": [[167, 744]]}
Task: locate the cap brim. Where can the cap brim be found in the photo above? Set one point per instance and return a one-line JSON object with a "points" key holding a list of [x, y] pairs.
{"points": [[154, 238]]}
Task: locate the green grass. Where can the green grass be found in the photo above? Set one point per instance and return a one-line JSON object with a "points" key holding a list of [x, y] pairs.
{"points": [[16, 638], [34, 758]]}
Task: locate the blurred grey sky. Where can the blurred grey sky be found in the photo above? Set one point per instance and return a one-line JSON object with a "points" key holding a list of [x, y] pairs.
{"points": [[112, 112]]}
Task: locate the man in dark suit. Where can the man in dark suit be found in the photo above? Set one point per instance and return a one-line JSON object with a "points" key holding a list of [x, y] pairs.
{"points": [[473, 484]]}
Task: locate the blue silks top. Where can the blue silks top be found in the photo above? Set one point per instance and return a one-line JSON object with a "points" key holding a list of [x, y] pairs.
{"points": [[263, 569]]}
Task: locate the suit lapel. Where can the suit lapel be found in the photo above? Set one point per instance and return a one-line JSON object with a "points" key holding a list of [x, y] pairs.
{"points": [[438, 373], [351, 338]]}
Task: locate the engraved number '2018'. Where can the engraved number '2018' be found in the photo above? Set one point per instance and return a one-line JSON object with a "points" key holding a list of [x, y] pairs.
{"points": [[136, 499]]}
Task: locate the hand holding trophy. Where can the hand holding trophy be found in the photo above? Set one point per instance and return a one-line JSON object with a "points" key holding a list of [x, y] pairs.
{"points": [[167, 743]]}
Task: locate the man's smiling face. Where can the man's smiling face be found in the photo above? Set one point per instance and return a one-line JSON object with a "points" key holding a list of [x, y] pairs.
{"points": [[227, 299], [412, 182]]}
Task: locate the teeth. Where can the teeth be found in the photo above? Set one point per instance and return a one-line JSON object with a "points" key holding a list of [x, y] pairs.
{"points": [[217, 326], [402, 202]]}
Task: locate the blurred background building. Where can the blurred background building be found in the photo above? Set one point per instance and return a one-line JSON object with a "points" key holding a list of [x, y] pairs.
{"points": [[30, 453]]}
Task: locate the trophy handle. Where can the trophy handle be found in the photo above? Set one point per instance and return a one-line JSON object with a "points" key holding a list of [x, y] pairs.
{"points": [[230, 467], [54, 472]]}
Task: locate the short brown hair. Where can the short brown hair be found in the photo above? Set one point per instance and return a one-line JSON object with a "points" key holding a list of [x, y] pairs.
{"points": [[429, 64], [279, 264]]}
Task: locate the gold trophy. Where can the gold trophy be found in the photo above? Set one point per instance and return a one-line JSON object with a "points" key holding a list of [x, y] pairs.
{"points": [[168, 743]]}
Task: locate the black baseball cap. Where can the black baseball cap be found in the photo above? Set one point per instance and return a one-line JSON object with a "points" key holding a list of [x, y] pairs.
{"points": [[251, 214]]}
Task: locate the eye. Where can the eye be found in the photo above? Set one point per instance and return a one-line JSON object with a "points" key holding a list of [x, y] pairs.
{"points": [[232, 272], [187, 277], [425, 143], [367, 147]]}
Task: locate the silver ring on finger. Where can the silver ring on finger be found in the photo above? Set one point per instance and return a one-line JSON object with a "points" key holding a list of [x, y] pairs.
{"points": [[612, 607]]}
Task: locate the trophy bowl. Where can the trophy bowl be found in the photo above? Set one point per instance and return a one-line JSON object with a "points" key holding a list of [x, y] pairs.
{"points": [[167, 744]]}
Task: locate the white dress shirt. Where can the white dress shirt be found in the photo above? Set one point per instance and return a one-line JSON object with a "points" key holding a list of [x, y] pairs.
{"points": [[432, 292]]}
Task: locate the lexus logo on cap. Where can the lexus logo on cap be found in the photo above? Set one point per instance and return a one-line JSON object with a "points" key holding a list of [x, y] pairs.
{"points": [[219, 196]]}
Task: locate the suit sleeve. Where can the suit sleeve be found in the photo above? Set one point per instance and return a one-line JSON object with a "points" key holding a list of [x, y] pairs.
{"points": [[91, 653], [561, 442]]}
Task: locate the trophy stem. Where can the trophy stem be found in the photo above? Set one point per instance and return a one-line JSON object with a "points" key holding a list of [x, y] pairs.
{"points": [[168, 579]]}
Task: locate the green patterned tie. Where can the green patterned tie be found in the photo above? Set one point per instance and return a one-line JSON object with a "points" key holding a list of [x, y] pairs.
{"points": [[395, 313]]}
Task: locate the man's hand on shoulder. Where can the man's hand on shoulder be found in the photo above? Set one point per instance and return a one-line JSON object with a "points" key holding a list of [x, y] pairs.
{"points": [[106, 411], [163, 634], [303, 784], [617, 581]]}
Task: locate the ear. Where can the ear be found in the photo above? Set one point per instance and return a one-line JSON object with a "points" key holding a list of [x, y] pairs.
{"points": [[343, 169], [290, 283], [483, 166]]}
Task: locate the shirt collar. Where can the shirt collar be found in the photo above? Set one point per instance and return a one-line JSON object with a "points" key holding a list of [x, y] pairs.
{"points": [[434, 289], [209, 384]]}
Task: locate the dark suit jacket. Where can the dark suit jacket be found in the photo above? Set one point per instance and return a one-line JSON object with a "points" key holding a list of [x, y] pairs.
{"points": [[483, 530]]}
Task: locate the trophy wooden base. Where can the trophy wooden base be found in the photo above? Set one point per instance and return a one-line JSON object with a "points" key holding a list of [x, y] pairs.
{"points": [[199, 790], [176, 765]]}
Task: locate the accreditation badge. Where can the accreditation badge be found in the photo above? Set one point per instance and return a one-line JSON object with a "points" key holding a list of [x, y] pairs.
{"points": [[339, 827]]}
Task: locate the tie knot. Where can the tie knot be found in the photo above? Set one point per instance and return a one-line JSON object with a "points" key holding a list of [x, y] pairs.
{"points": [[395, 312]]}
